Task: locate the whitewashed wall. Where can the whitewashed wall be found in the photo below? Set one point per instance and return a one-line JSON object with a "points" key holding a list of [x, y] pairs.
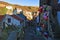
{"points": [[13, 20]]}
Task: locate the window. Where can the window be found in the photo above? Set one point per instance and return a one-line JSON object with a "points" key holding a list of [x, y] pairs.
{"points": [[9, 20]]}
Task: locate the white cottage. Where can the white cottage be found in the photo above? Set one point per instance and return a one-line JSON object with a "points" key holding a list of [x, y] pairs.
{"points": [[28, 14], [11, 20], [10, 10]]}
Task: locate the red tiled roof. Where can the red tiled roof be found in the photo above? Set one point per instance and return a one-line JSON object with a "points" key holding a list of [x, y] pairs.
{"points": [[1, 17], [16, 17]]}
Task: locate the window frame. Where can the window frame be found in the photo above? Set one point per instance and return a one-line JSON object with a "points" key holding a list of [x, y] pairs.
{"points": [[9, 20]]}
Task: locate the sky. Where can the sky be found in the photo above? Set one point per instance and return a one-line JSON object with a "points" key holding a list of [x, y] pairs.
{"points": [[23, 2]]}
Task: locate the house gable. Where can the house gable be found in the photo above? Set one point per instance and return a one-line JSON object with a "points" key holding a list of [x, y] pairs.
{"points": [[15, 20]]}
